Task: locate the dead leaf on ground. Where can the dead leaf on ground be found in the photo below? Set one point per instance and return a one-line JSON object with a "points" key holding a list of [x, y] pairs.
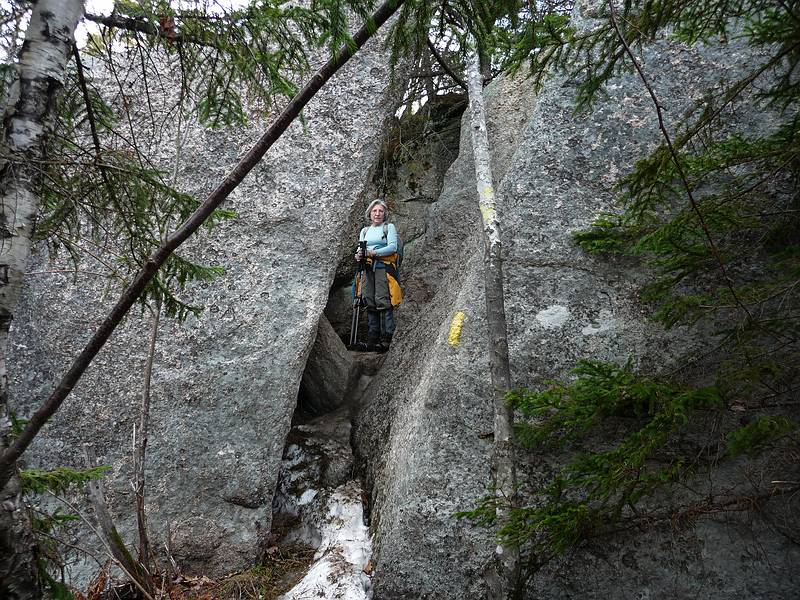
{"points": [[369, 568], [98, 585]]}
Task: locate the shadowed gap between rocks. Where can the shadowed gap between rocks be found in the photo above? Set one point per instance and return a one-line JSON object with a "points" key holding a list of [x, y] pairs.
{"points": [[319, 500]]}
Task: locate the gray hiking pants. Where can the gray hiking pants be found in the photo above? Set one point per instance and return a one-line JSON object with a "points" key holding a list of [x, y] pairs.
{"points": [[376, 290], [379, 303]]}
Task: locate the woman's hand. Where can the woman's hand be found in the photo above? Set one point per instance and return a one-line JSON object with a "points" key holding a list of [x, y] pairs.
{"points": [[370, 253]]}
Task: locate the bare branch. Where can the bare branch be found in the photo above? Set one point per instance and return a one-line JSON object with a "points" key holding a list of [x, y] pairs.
{"points": [[443, 63], [141, 447], [135, 570], [92, 122], [136, 25]]}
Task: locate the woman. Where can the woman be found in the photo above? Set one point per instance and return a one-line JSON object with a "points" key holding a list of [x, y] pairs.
{"points": [[381, 291]]}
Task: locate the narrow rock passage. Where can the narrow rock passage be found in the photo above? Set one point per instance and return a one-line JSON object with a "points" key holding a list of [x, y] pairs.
{"points": [[319, 502]]}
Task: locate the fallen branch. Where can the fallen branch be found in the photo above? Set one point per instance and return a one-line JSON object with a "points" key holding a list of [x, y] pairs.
{"points": [[446, 67]]}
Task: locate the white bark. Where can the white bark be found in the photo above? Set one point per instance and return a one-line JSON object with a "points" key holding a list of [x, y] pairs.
{"points": [[502, 582], [43, 59], [42, 66]]}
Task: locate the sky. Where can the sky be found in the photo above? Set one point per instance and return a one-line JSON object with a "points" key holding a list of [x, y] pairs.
{"points": [[104, 7]]}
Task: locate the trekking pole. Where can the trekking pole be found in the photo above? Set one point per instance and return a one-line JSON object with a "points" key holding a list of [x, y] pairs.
{"points": [[357, 299], [354, 322]]}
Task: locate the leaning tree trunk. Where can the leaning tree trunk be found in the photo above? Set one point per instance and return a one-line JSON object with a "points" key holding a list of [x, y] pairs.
{"points": [[42, 64], [503, 577]]}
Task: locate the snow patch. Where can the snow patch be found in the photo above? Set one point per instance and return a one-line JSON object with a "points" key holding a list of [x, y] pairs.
{"points": [[307, 497], [338, 569]]}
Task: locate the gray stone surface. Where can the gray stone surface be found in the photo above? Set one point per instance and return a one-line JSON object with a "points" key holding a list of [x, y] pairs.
{"points": [[422, 431], [415, 154], [317, 460], [576, 306], [225, 385]]}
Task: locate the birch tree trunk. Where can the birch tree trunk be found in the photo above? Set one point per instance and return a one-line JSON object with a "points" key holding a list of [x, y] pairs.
{"points": [[503, 580], [42, 64]]}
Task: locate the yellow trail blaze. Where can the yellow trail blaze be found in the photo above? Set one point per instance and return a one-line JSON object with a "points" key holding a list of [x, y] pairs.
{"points": [[454, 337]]}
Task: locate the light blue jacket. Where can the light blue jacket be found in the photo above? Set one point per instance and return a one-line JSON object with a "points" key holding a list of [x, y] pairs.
{"points": [[384, 244]]}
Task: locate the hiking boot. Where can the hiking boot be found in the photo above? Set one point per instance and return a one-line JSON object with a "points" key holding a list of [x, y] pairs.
{"points": [[386, 341], [373, 343]]}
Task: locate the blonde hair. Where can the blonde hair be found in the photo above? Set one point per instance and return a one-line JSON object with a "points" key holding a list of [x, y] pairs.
{"points": [[372, 205]]}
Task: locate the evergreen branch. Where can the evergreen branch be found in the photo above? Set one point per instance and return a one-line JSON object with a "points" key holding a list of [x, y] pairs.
{"points": [[597, 491], [132, 140], [73, 271], [676, 160], [108, 166], [781, 291], [62, 542], [734, 92], [100, 537], [135, 570], [762, 402], [690, 512], [754, 436], [791, 158], [145, 82], [92, 121], [112, 271], [59, 480]]}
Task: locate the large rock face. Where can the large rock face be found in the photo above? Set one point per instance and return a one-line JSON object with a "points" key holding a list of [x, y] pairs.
{"points": [[328, 375], [225, 385], [417, 151], [423, 433]]}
